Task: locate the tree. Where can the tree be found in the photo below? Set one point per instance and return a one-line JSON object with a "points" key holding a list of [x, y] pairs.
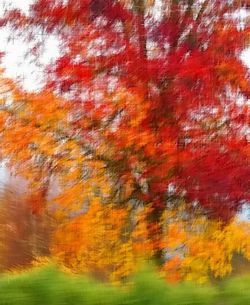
{"points": [[156, 96], [121, 236], [18, 239]]}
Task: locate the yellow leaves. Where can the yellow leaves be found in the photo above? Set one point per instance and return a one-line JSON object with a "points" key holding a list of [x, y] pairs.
{"points": [[223, 244], [47, 145], [200, 247], [194, 269], [59, 215]]}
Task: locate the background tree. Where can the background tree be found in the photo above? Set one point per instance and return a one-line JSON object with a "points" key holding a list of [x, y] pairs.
{"points": [[21, 232]]}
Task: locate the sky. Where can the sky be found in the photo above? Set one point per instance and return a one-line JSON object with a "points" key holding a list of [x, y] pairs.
{"points": [[30, 74], [15, 65]]}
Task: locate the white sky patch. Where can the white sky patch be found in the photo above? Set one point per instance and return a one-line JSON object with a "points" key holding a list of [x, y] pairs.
{"points": [[19, 67], [245, 56], [16, 64], [21, 4]]}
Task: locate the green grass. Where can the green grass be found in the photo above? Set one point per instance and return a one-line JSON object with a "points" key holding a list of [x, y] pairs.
{"points": [[49, 286]]}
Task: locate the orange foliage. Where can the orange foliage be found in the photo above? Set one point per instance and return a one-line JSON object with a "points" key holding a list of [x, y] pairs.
{"points": [[95, 242]]}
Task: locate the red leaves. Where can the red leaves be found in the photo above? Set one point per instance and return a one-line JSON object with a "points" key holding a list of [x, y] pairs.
{"points": [[89, 106], [110, 9], [14, 17], [79, 72], [218, 180], [168, 31], [98, 7], [82, 72], [62, 63], [50, 14], [68, 74]]}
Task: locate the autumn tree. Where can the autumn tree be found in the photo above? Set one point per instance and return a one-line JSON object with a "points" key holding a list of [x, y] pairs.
{"points": [[109, 251], [18, 236], [157, 97]]}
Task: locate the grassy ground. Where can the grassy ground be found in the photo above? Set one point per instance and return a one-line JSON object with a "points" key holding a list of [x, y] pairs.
{"points": [[49, 286]]}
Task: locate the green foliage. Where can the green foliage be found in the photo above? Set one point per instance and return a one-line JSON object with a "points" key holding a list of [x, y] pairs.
{"points": [[236, 291], [150, 288], [48, 285]]}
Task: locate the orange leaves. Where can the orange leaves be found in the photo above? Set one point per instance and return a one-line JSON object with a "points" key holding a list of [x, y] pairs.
{"points": [[134, 111], [143, 246], [36, 203], [46, 110], [175, 236], [29, 123], [172, 269], [71, 198], [92, 242], [234, 73], [16, 140]]}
